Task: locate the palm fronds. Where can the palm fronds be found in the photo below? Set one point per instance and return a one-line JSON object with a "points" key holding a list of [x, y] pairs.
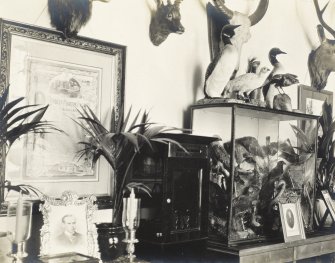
{"points": [[119, 144], [16, 121], [326, 146]]}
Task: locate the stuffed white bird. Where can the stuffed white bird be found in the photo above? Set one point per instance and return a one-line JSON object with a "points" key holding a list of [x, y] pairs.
{"points": [[244, 84], [222, 67]]}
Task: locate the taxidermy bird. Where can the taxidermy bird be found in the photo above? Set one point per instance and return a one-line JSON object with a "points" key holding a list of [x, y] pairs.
{"points": [[220, 69], [244, 84], [277, 68], [69, 16], [266, 194], [277, 83], [253, 65]]}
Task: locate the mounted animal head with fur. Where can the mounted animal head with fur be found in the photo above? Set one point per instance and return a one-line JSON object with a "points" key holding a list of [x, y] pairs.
{"points": [[165, 20], [242, 34], [321, 61], [69, 16]]}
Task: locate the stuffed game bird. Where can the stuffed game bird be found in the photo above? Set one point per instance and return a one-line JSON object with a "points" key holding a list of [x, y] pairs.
{"points": [[274, 89], [244, 84], [68, 16], [223, 65]]}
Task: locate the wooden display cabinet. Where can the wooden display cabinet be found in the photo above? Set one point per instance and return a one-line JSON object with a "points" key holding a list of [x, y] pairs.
{"points": [[177, 210]]}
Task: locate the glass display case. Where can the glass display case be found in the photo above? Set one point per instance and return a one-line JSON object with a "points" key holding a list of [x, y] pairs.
{"points": [[263, 156], [177, 211]]}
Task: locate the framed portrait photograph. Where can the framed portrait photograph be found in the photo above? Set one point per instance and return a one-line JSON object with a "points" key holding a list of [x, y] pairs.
{"points": [[291, 220], [68, 225], [65, 74], [310, 101]]}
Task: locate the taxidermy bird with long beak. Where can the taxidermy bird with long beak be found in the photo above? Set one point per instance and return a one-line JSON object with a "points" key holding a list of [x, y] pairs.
{"points": [[221, 69], [244, 84], [69, 16]]}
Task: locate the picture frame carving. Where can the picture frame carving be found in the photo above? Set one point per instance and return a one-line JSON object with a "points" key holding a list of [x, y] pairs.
{"points": [[50, 65], [69, 204]]}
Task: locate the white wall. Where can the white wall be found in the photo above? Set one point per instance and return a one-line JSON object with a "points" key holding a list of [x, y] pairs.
{"points": [[168, 78]]}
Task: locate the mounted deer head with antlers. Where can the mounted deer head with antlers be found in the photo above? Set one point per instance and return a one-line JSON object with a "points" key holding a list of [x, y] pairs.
{"points": [[69, 16], [321, 61], [242, 34], [164, 21]]}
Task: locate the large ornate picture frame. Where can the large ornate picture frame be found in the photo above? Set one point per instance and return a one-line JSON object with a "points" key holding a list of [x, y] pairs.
{"points": [[41, 66], [68, 225]]}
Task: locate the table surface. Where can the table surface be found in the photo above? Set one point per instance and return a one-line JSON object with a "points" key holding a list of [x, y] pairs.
{"points": [[318, 245]]}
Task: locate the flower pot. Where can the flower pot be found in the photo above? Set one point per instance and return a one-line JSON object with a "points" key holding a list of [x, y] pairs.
{"points": [[110, 240]]}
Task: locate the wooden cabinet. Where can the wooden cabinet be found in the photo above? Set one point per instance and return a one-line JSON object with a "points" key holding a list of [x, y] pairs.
{"points": [[177, 211]]}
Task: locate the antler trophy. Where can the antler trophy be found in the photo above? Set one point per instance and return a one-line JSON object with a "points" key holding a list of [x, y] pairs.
{"points": [[130, 222], [321, 61]]}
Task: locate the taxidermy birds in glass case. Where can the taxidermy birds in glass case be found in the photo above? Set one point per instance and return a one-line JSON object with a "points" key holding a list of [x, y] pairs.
{"points": [[263, 157]]}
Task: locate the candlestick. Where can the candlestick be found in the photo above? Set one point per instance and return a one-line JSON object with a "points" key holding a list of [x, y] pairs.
{"points": [[130, 222]]}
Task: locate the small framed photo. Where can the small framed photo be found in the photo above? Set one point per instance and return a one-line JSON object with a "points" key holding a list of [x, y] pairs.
{"points": [[329, 203], [68, 225], [291, 219]]}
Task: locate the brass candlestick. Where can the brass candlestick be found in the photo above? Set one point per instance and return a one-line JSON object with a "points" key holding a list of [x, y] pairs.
{"points": [[130, 222]]}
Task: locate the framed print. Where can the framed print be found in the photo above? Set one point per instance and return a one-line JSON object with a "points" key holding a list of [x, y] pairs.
{"points": [[68, 225], [291, 220], [310, 100], [330, 203], [41, 66]]}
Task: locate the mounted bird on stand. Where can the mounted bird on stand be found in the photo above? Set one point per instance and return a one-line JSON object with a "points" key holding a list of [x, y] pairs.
{"points": [[165, 20], [219, 16], [321, 61], [68, 16]]}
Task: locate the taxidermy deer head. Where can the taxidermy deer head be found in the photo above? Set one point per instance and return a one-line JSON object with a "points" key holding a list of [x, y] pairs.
{"points": [[242, 34], [164, 21], [69, 16], [321, 61]]}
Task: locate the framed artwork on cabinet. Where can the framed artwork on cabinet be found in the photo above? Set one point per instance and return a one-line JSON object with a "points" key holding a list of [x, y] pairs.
{"points": [[310, 100], [40, 65]]}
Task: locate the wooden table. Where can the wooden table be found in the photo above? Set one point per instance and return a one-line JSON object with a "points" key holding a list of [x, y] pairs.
{"points": [[312, 247]]}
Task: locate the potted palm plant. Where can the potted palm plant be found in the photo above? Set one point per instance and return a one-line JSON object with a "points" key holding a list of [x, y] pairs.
{"points": [[15, 121], [118, 145]]}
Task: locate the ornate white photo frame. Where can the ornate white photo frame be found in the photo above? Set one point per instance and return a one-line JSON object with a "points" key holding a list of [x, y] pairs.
{"points": [[68, 225]]}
